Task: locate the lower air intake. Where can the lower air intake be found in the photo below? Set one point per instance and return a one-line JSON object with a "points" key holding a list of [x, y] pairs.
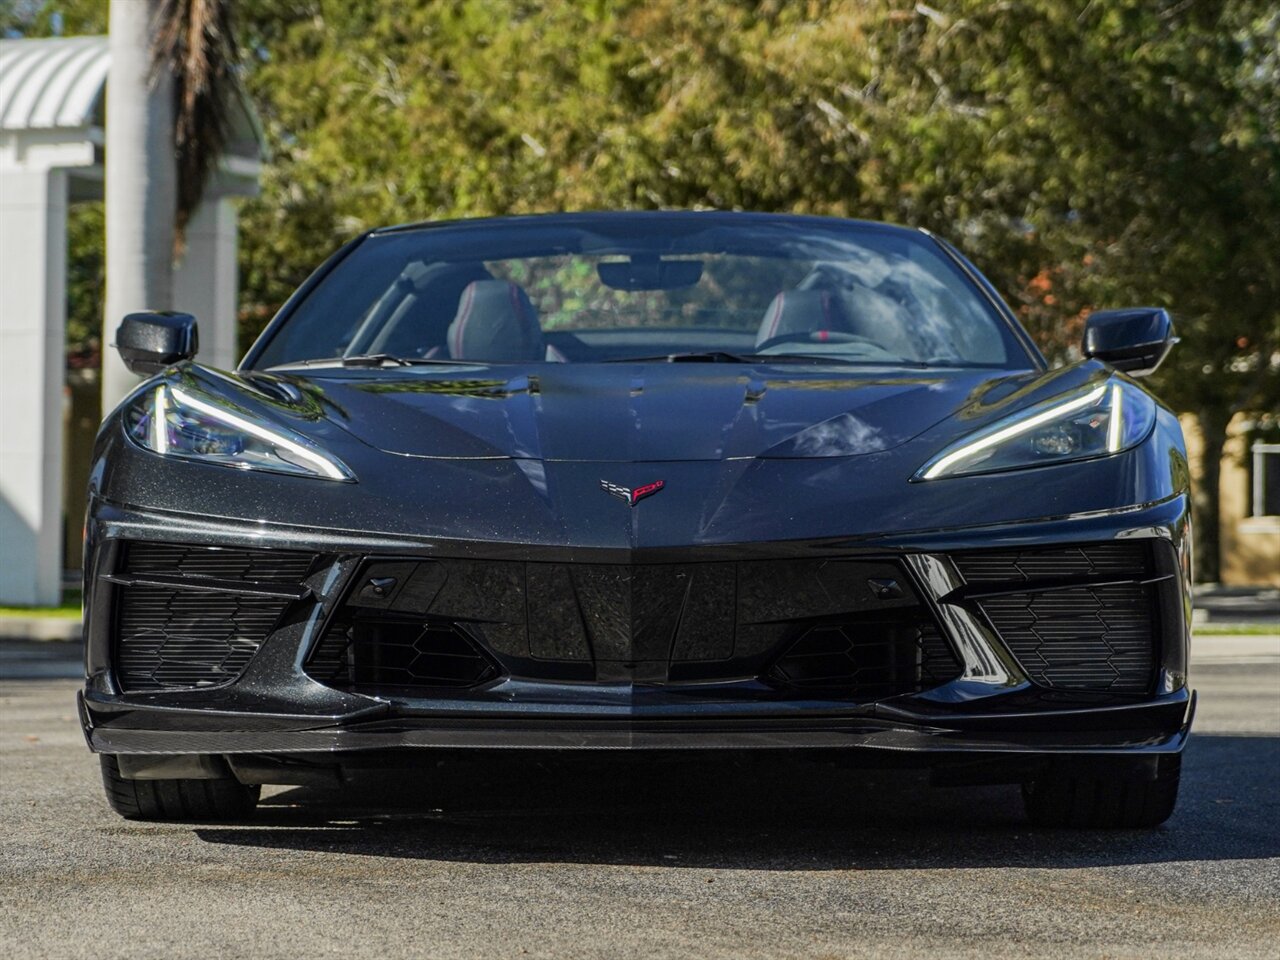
{"points": [[1076, 617], [177, 638], [377, 652], [867, 660], [1084, 638], [192, 616]]}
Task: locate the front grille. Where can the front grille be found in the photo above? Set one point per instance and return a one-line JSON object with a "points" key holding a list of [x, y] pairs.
{"points": [[227, 563], [1125, 558], [194, 629], [631, 623], [1087, 620], [868, 659], [175, 638]]}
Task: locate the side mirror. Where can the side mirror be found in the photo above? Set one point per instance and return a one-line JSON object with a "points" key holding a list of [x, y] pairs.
{"points": [[1135, 340], [149, 342]]}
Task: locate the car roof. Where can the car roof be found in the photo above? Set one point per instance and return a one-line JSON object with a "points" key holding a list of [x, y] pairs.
{"points": [[597, 218]]}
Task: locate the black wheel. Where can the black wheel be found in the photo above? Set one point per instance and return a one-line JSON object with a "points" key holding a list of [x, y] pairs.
{"points": [[222, 799], [1104, 798]]}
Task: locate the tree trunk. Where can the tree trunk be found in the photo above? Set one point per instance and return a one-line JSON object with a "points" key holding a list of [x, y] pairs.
{"points": [[140, 185], [1207, 501]]}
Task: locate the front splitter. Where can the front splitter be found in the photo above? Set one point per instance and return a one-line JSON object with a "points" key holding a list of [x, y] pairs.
{"points": [[610, 734]]}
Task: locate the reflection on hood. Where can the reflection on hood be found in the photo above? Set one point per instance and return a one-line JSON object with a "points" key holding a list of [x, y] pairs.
{"points": [[842, 436], [667, 412]]}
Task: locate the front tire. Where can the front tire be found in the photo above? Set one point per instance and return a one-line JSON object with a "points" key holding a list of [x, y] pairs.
{"points": [[211, 800], [1108, 798]]}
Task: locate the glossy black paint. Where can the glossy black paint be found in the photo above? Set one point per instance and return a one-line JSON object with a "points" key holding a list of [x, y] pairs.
{"points": [[505, 462], [489, 465], [1135, 340], [150, 342]]}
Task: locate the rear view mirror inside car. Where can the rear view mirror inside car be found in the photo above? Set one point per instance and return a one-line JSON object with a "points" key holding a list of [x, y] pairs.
{"points": [[650, 273]]}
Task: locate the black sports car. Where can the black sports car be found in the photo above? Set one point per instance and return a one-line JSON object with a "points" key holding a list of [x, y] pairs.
{"points": [[641, 481]]}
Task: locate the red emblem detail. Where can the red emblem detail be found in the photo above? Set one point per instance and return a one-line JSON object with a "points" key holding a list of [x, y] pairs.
{"points": [[632, 496]]}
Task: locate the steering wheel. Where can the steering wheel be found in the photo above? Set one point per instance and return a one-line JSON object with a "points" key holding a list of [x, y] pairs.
{"points": [[815, 336]]}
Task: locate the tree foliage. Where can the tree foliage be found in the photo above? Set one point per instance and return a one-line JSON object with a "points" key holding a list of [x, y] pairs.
{"points": [[1140, 143], [1122, 150], [1084, 154], [46, 18], [194, 41]]}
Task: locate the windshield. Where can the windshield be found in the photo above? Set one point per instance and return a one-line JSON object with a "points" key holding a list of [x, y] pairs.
{"points": [[645, 287]]}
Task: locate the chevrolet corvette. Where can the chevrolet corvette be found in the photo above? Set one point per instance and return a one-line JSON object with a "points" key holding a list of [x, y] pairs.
{"points": [[649, 482]]}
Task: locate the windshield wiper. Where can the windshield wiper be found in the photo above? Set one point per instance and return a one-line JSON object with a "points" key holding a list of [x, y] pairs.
{"points": [[722, 356], [383, 359], [373, 360], [710, 356]]}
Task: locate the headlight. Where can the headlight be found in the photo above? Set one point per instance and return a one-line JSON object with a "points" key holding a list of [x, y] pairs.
{"points": [[177, 422], [1093, 422]]}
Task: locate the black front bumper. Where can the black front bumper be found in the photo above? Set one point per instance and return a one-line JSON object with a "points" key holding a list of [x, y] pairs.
{"points": [[1158, 726], [991, 709]]}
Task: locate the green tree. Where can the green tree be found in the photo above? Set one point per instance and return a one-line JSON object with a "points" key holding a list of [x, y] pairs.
{"points": [[47, 18], [1137, 146], [1086, 155]]}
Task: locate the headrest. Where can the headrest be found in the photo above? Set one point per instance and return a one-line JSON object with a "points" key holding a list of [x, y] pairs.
{"points": [[800, 311], [495, 321]]}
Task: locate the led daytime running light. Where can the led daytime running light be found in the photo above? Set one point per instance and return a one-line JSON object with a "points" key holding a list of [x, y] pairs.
{"points": [[159, 428], [940, 466], [1115, 426], [321, 463]]}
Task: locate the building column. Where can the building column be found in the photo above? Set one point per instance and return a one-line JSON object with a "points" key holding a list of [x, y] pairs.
{"points": [[141, 185], [33, 262], [206, 282]]}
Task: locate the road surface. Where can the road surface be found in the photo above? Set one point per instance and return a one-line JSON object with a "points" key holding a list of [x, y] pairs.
{"points": [[630, 856]]}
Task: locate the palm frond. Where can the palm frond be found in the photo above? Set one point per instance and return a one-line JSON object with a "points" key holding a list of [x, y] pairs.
{"points": [[195, 42]]}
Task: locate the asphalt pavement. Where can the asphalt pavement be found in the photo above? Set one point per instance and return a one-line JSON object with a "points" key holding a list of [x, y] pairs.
{"points": [[498, 855]]}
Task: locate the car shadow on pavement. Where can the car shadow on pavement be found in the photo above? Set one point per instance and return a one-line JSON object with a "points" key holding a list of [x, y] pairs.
{"points": [[776, 812]]}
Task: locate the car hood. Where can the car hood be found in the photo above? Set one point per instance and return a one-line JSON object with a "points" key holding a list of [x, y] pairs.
{"points": [[788, 479], [640, 412]]}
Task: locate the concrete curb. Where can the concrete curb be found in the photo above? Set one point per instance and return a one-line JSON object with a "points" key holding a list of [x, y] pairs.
{"points": [[1227, 649], [40, 628]]}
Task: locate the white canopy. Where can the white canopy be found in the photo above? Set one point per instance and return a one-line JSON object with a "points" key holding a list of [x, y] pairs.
{"points": [[52, 84]]}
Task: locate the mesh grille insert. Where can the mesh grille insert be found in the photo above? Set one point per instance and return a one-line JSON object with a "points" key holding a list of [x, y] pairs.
{"points": [[1088, 560], [176, 638], [179, 637], [1091, 636], [225, 563], [1085, 638]]}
